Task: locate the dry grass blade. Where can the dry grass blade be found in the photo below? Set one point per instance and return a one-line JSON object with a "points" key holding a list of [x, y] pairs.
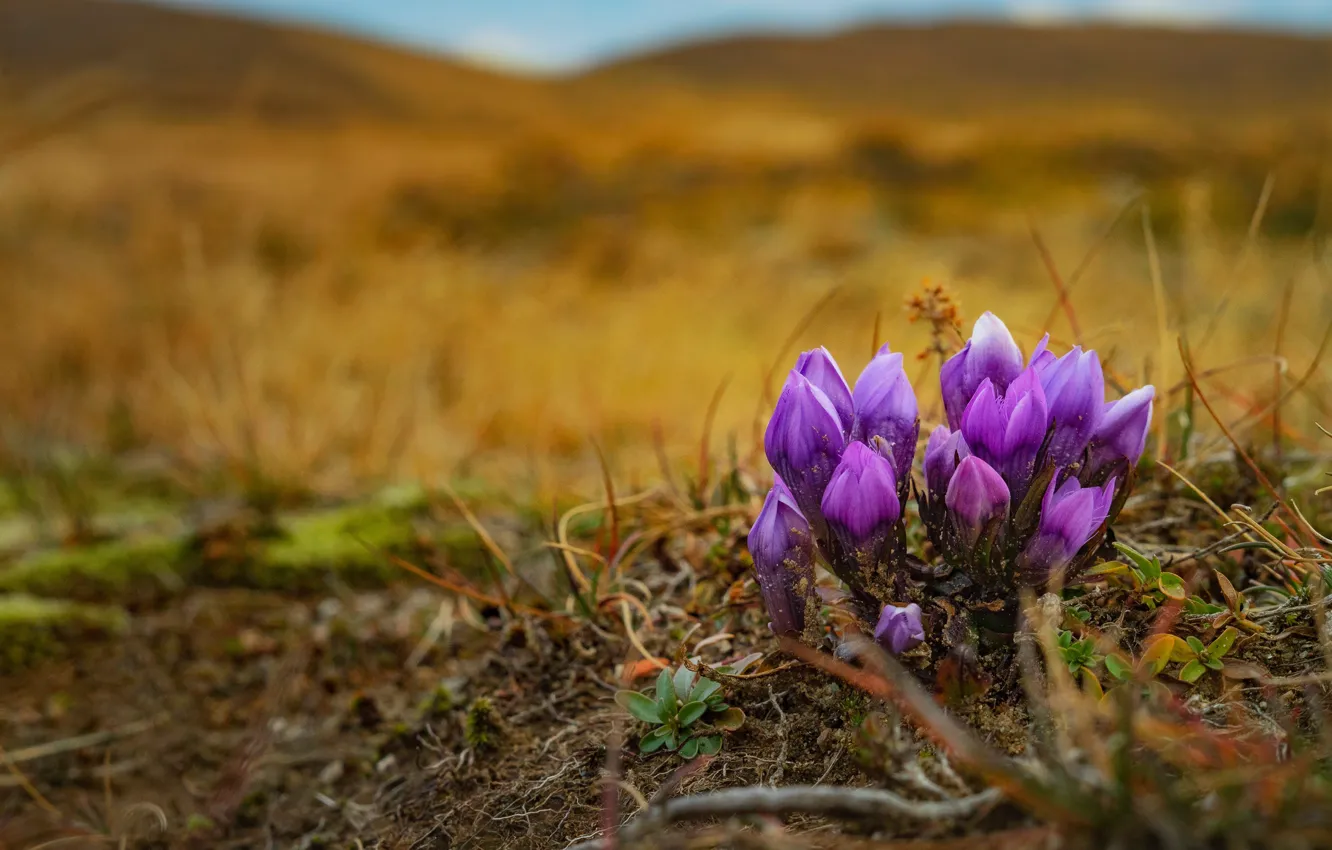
{"points": [[27, 786], [1279, 367], [562, 533], [1162, 319], [609, 486], [1090, 256], [82, 742], [1060, 290], [705, 441], [1257, 471]]}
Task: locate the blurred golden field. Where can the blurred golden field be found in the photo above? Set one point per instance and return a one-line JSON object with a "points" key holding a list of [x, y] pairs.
{"points": [[419, 269]]}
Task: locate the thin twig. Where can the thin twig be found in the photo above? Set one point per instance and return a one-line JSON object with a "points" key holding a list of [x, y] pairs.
{"points": [[83, 742], [829, 801]]}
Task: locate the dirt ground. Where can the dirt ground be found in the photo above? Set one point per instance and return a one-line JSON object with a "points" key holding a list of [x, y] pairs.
{"points": [[388, 714]]}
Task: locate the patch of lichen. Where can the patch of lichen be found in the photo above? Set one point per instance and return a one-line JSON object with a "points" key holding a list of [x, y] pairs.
{"points": [[34, 629], [129, 570]]}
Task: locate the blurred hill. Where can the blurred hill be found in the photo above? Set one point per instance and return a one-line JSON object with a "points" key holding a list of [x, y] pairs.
{"points": [[966, 70], [173, 63], [193, 64]]}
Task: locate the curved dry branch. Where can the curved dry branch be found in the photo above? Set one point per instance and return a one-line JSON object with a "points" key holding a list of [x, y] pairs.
{"points": [[829, 801]]}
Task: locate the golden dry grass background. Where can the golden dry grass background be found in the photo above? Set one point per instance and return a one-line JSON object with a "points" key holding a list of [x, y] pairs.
{"points": [[442, 271]]}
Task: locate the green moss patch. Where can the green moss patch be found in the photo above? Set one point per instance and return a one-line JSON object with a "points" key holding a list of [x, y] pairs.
{"points": [[347, 543], [33, 629], [129, 570]]}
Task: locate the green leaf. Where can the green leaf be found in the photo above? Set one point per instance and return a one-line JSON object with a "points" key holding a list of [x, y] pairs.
{"points": [[1200, 607], [718, 705], [1172, 586], [704, 691], [651, 743], [1157, 652], [638, 705], [1115, 666], [1214, 664], [684, 683], [1222, 644], [1107, 568], [730, 719], [665, 694], [709, 745], [1150, 567], [690, 748], [1192, 672], [1196, 645], [690, 712]]}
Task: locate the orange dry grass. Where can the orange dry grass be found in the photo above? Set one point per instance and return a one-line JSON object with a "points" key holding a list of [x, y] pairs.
{"points": [[137, 283]]}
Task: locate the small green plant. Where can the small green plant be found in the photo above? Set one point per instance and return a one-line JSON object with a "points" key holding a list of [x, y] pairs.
{"points": [[1195, 657], [1080, 655], [1144, 576], [1206, 657], [688, 712]]}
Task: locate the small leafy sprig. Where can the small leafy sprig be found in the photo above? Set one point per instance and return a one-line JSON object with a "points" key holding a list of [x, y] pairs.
{"points": [[1144, 576], [688, 712], [1080, 655], [1195, 657]]}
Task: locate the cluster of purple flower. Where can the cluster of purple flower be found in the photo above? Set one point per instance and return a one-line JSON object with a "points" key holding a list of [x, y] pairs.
{"points": [[1019, 486]]}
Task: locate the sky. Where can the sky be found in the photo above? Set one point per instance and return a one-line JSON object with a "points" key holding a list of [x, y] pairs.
{"points": [[556, 35]]}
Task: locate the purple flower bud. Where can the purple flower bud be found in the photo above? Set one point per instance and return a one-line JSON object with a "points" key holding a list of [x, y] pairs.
{"points": [[1075, 393], [821, 369], [783, 551], [1006, 432], [976, 496], [991, 354], [804, 441], [861, 502], [886, 407], [1070, 515], [899, 629], [942, 453], [1121, 433], [1041, 355]]}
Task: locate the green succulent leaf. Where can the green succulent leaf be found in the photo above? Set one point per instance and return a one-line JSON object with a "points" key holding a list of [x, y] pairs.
{"points": [[684, 683], [704, 691], [729, 720], [666, 701], [1222, 644], [1172, 586], [652, 742], [709, 745], [1214, 664], [1192, 672], [1200, 607], [1117, 667], [718, 706], [690, 712], [690, 749], [638, 705], [1151, 568], [1196, 645]]}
